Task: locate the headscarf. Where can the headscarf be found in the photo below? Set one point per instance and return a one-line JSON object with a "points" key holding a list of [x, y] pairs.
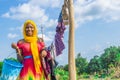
{"points": [[33, 44]]}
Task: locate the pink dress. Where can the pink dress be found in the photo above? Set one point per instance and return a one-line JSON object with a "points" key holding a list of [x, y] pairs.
{"points": [[28, 72]]}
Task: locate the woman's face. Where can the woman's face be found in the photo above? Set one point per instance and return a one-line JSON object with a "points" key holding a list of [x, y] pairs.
{"points": [[29, 29]]}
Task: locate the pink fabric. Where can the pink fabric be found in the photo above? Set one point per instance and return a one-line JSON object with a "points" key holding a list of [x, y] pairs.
{"points": [[29, 63]]}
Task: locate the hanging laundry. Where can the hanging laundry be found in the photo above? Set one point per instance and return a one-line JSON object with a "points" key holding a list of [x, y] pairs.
{"points": [[59, 45]]}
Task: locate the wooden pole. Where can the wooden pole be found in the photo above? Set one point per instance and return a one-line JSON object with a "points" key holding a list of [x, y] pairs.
{"points": [[71, 52]]}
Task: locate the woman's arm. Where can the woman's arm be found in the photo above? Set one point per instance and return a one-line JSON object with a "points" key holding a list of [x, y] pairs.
{"points": [[43, 53], [19, 56], [18, 51]]}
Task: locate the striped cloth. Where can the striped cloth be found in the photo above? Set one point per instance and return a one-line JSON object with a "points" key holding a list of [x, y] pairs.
{"points": [[59, 45]]}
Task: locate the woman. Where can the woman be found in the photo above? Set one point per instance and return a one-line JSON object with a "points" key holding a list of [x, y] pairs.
{"points": [[30, 52]]}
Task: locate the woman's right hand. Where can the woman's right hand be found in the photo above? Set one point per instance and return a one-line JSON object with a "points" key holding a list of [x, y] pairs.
{"points": [[14, 45]]}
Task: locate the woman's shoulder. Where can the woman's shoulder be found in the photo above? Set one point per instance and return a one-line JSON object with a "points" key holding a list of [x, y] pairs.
{"points": [[40, 39], [21, 41]]}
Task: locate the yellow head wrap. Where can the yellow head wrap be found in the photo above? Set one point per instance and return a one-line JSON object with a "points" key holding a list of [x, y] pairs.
{"points": [[33, 44]]}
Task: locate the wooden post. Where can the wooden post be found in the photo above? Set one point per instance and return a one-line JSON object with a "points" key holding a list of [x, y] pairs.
{"points": [[71, 52]]}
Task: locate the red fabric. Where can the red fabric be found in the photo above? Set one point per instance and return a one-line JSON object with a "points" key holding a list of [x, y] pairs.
{"points": [[29, 63]]}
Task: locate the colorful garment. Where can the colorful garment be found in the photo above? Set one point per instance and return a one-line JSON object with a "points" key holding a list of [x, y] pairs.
{"points": [[59, 45], [31, 49], [28, 72]]}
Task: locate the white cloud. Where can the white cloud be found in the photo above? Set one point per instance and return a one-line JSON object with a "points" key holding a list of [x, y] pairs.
{"points": [[47, 24], [35, 10], [46, 38], [26, 11], [15, 28], [52, 23], [88, 10], [11, 35], [85, 10], [47, 3]]}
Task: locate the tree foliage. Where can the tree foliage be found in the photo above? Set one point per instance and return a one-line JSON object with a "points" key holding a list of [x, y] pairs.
{"points": [[81, 64], [110, 56], [94, 65]]}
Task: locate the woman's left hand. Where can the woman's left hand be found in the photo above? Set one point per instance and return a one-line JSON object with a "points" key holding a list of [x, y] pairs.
{"points": [[43, 53]]}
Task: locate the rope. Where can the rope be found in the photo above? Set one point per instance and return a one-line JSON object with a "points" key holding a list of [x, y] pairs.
{"points": [[11, 54]]}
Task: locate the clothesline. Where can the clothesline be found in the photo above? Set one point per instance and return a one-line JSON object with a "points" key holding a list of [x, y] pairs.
{"points": [[57, 45]]}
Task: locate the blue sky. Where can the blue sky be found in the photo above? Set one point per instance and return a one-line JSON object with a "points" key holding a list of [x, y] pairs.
{"points": [[97, 24]]}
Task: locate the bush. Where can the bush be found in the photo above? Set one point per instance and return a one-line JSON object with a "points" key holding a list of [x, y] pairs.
{"points": [[1, 64], [62, 74]]}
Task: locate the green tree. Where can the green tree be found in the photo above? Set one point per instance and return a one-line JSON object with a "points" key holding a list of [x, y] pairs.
{"points": [[111, 56], [94, 65], [66, 67], [81, 64]]}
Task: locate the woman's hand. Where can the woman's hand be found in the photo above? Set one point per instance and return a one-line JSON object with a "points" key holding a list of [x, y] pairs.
{"points": [[18, 51], [14, 45], [43, 53]]}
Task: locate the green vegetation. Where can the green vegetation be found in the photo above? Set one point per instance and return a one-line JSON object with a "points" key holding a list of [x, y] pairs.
{"points": [[106, 66], [103, 67], [1, 63], [61, 74]]}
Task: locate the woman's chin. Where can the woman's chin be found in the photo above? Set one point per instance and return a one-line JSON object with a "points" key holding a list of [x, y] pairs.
{"points": [[29, 35]]}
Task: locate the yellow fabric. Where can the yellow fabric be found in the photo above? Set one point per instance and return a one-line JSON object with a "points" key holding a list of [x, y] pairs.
{"points": [[33, 43]]}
